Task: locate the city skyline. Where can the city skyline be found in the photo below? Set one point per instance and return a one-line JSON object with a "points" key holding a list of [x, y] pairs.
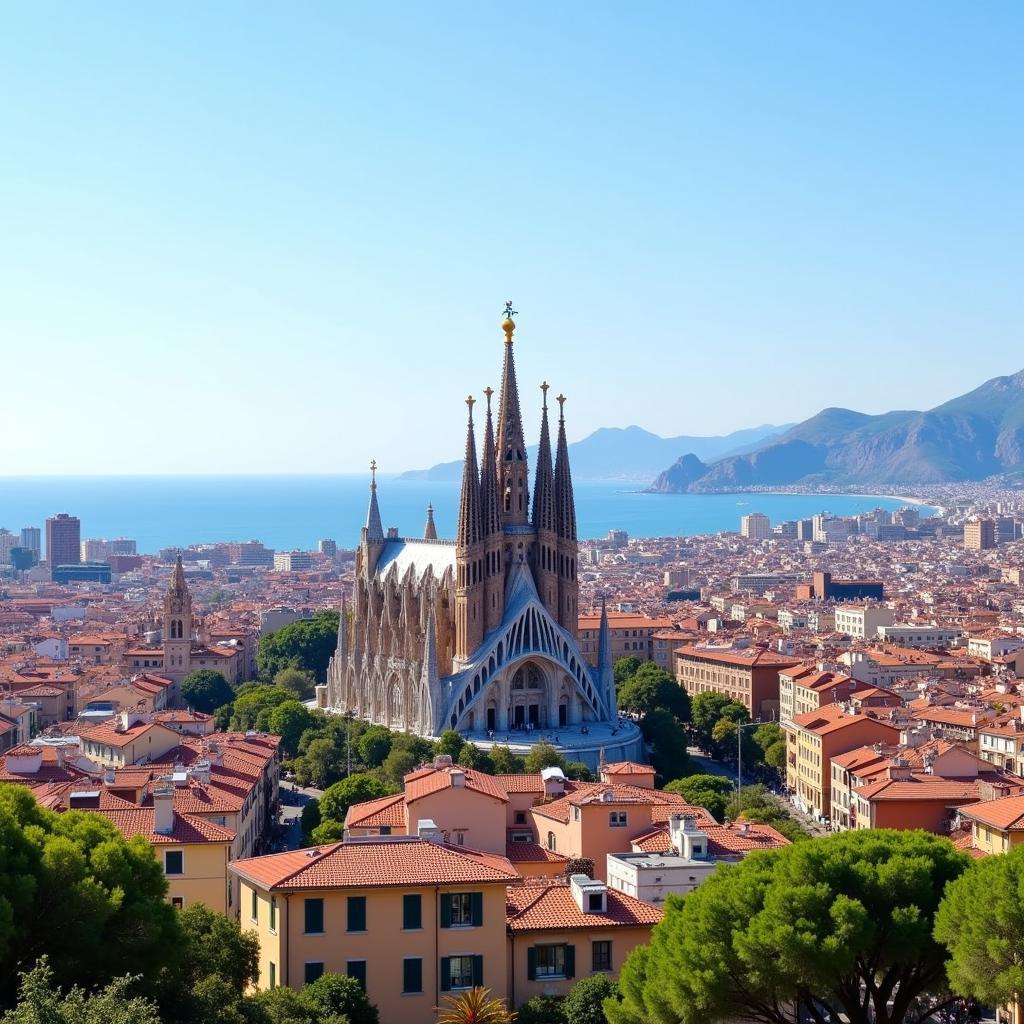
{"points": [[313, 218]]}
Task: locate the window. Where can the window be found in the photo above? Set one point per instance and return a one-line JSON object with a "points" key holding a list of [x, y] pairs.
{"points": [[575, 814], [412, 975], [617, 819], [551, 840], [357, 969], [314, 969], [357, 914], [412, 911], [595, 902], [462, 910], [273, 974], [601, 956], [273, 914], [314, 916], [520, 817], [254, 911], [177, 902], [461, 972], [385, 830], [174, 862], [551, 962]]}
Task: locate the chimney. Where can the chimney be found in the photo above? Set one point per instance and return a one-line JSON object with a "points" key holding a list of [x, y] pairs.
{"points": [[443, 761], [591, 896], [744, 828], [163, 808], [899, 769], [59, 751], [457, 778], [109, 776], [687, 840], [427, 829], [201, 772]]}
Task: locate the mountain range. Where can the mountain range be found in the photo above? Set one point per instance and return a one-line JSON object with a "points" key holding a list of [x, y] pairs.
{"points": [[971, 437], [627, 453]]}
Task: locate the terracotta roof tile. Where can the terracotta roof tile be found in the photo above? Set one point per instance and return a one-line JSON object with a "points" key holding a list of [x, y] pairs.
{"points": [[552, 907]]}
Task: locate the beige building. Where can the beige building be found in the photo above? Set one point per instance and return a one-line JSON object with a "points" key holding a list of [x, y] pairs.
{"points": [[747, 675], [979, 534], [755, 526], [862, 621]]}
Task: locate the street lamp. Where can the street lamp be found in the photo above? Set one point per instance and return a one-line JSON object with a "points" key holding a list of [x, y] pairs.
{"points": [[740, 726]]}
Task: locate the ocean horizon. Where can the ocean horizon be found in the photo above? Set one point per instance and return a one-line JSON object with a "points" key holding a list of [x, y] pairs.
{"points": [[286, 512]]}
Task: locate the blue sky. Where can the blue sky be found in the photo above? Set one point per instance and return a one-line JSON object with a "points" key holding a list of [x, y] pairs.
{"points": [[278, 237]]}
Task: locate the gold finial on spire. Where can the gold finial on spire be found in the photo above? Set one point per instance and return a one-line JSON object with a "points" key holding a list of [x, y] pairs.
{"points": [[488, 391], [544, 387], [373, 472], [470, 401], [561, 406], [508, 324]]}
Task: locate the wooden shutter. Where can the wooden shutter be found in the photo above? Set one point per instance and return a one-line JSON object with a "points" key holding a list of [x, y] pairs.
{"points": [[477, 908], [531, 963], [570, 961], [446, 910], [478, 971], [446, 974]]}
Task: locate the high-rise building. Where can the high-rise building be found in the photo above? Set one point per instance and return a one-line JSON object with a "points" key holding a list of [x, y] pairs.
{"points": [[94, 550], [755, 526], [328, 547], [31, 539], [292, 561], [63, 541], [979, 534], [8, 541], [121, 546], [480, 635]]}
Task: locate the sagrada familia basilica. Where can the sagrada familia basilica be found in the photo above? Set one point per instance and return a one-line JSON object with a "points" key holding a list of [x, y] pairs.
{"points": [[479, 633]]}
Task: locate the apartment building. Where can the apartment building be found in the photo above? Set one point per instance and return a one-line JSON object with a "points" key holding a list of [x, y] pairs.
{"points": [[814, 738], [755, 526], [930, 637], [862, 621], [809, 687], [747, 675], [979, 534], [630, 634]]}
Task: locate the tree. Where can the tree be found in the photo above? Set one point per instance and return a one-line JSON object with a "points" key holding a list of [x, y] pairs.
{"points": [[301, 682], [341, 996], [322, 764], [279, 1005], [289, 720], [375, 745], [450, 743], [337, 799], [543, 755], [398, 764], [206, 690], [756, 804], [72, 887], [706, 711], [541, 1010], [505, 762], [772, 742], [329, 831], [624, 668], [254, 700], [310, 818], [663, 732], [307, 644], [981, 922], [712, 792], [41, 1002], [843, 923], [471, 756], [474, 1007], [651, 689], [578, 771], [585, 1002]]}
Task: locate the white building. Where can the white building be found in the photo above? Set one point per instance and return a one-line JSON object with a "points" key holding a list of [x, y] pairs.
{"points": [[292, 561], [919, 636], [755, 526], [862, 621]]}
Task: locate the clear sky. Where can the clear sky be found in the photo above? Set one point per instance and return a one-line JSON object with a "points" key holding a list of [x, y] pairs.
{"points": [[278, 237]]}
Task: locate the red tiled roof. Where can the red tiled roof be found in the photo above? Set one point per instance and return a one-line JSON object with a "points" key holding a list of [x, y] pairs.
{"points": [[385, 810], [1006, 813], [533, 853], [627, 768], [380, 862], [521, 783], [540, 908], [425, 781], [188, 828]]}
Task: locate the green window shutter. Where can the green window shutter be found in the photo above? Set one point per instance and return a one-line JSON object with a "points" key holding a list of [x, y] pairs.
{"points": [[412, 911], [357, 969], [357, 913], [446, 974], [477, 901], [570, 961], [314, 916], [446, 910], [531, 963], [478, 971], [412, 974]]}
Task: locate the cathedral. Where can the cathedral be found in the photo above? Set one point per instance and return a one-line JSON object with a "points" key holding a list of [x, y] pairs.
{"points": [[479, 633]]}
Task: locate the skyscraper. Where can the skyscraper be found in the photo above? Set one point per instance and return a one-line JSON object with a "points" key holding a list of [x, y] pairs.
{"points": [[31, 539], [63, 541], [756, 526]]}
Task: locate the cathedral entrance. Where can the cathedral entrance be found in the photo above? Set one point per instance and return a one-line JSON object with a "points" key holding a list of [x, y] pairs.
{"points": [[563, 715], [534, 715], [492, 719], [518, 716]]}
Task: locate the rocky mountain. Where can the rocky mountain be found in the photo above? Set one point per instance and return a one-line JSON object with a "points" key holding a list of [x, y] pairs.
{"points": [[967, 438], [627, 453]]}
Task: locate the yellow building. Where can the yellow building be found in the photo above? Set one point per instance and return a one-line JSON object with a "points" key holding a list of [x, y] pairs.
{"points": [[411, 917], [997, 825], [559, 933]]}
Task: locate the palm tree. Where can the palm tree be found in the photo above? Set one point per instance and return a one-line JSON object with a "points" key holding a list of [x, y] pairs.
{"points": [[474, 1007]]}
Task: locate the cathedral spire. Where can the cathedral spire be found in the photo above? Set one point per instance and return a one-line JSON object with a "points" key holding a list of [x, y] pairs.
{"points": [[544, 483], [469, 502], [374, 529], [605, 667], [430, 531], [565, 503], [490, 500], [511, 446], [341, 649], [178, 588]]}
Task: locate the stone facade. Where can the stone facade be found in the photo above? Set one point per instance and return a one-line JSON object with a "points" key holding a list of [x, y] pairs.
{"points": [[480, 633]]}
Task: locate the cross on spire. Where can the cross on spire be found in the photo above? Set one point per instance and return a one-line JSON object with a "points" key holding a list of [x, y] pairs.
{"points": [[373, 472], [509, 311], [544, 387], [561, 406]]}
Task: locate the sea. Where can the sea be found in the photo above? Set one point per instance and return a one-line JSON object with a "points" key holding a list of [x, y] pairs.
{"points": [[286, 512]]}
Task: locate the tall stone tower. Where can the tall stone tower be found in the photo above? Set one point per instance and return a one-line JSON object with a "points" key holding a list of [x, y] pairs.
{"points": [[177, 626], [511, 447], [545, 520], [568, 548], [469, 561]]}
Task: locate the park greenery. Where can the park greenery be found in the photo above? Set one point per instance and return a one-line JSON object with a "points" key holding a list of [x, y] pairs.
{"points": [[306, 644]]}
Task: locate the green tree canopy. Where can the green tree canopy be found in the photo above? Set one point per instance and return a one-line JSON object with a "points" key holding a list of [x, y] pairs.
{"points": [[307, 644], [667, 738], [471, 756], [450, 743], [651, 689], [712, 792], [584, 1003], [505, 762], [310, 818], [73, 888], [375, 745], [625, 667], [707, 709], [337, 799], [301, 682], [843, 922], [206, 690], [322, 764], [40, 1001], [543, 755], [755, 803], [981, 921], [289, 720], [342, 996], [256, 700]]}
